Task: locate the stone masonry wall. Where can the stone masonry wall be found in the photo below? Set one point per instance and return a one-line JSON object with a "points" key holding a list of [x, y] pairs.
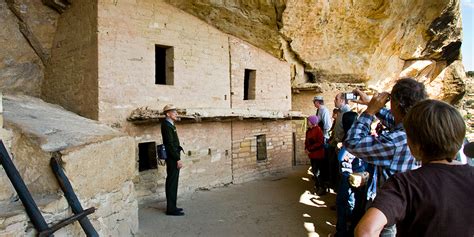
{"points": [[244, 148], [207, 158], [272, 89], [127, 59], [71, 77]]}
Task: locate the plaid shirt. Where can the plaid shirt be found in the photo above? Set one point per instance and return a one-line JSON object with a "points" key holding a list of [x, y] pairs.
{"points": [[389, 150]]}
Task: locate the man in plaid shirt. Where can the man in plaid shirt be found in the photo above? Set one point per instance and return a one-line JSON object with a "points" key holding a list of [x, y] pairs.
{"points": [[389, 151]]}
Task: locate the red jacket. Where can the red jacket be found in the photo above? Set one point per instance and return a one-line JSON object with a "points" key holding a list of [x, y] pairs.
{"points": [[314, 143]]}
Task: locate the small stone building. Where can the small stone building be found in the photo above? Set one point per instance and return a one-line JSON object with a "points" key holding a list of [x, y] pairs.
{"points": [[234, 98]]}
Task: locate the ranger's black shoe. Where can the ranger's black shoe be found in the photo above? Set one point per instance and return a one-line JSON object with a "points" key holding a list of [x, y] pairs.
{"points": [[175, 213]]}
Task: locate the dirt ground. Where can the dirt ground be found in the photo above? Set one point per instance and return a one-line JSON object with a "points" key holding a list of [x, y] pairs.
{"points": [[280, 205]]}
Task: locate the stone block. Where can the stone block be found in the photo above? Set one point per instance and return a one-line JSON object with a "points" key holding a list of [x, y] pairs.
{"points": [[246, 143]]}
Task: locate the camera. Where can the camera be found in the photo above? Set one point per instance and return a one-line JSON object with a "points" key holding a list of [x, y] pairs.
{"points": [[350, 96]]}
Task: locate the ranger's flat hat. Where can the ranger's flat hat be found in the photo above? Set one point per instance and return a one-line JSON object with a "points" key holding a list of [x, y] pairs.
{"points": [[168, 107], [318, 98]]}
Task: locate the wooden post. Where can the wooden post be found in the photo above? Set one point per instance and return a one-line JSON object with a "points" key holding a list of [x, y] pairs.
{"points": [[30, 206], [71, 196]]}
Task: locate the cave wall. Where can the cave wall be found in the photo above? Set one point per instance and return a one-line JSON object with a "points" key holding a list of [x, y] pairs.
{"points": [[21, 68]]}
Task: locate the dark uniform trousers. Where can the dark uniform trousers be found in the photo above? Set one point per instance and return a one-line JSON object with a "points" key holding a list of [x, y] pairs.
{"points": [[172, 177], [171, 142]]}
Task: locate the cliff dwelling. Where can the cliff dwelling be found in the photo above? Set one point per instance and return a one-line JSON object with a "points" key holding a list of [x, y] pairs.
{"points": [[87, 81]]}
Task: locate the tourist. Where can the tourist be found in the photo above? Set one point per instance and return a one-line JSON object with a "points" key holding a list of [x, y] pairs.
{"points": [[314, 148]]}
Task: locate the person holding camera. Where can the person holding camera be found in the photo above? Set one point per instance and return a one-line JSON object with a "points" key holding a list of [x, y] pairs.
{"points": [[173, 160], [389, 151]]}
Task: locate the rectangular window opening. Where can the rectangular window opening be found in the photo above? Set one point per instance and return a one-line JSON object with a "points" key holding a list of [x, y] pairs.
{"points": [[261, 147], [310, 77], [147, 156], [249, 84], [164, 65]]}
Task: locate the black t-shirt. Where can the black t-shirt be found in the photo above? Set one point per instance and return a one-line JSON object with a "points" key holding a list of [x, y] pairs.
{"points": [[434, 200]]}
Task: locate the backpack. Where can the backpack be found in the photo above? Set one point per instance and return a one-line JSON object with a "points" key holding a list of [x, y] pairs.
{"points": [[161, 154]]}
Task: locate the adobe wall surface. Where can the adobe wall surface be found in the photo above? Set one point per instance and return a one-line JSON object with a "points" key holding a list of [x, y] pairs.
{"points": [[272, 89], [244, 148], [71, 77], [207, 158], [127, 59]]}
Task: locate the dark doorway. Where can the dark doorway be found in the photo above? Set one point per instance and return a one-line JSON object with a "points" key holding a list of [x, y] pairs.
{"points": [[147, 156]]}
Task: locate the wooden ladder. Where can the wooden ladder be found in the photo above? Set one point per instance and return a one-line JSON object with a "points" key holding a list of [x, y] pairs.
{"points": [[32, 209]]}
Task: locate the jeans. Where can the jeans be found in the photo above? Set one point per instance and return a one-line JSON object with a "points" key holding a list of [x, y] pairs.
{"points": [[360, 196], [344, 205]]}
